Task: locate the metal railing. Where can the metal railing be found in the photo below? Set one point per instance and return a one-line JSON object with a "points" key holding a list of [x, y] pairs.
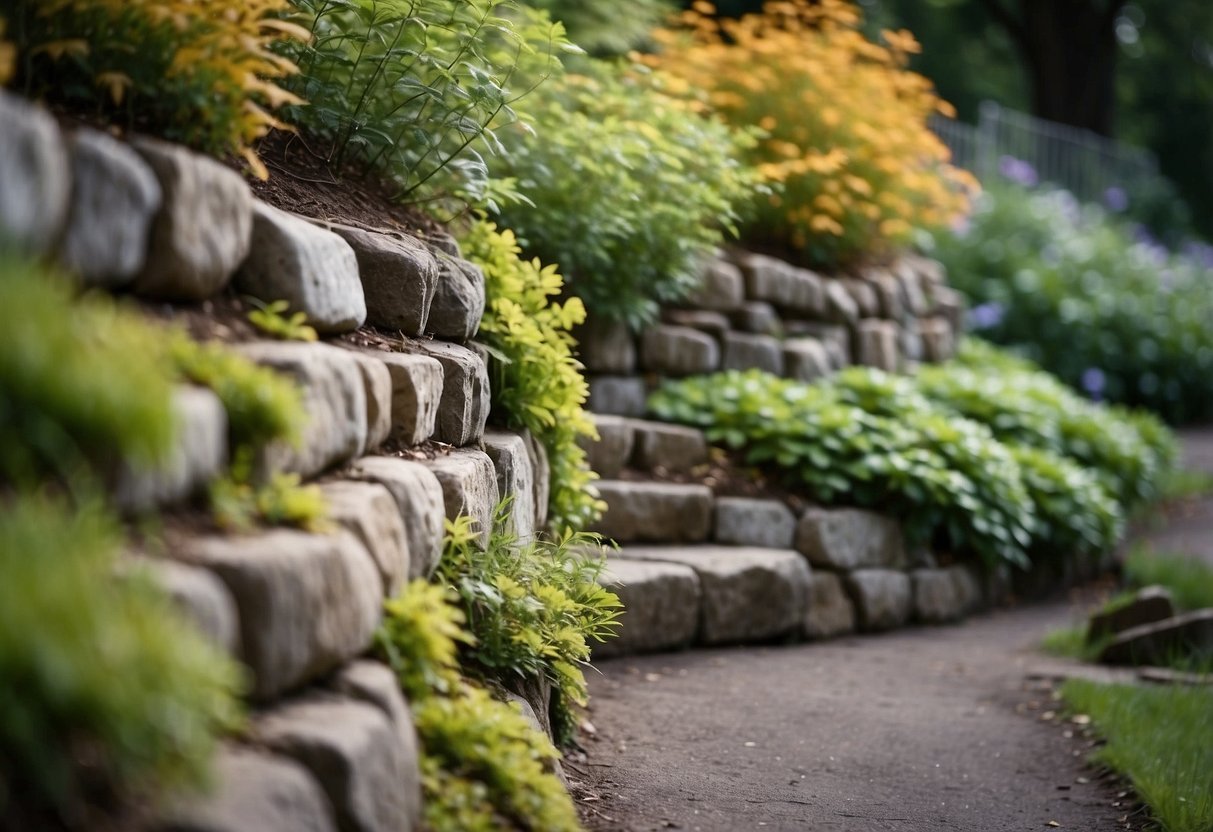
{"points": [[1084, 163]]}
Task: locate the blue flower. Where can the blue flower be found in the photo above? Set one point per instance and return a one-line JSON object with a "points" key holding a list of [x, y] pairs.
{"points": [[1115, 199], [986, 315], [1018, 171], [1093, 382]]}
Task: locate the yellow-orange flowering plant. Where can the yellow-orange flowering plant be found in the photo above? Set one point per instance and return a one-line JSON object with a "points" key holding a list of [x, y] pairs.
{"points": [[7, 54], [845, 123], [196, 71]]}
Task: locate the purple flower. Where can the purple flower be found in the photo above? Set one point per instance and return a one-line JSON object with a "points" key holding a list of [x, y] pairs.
{"points": [[1115, 199], [1018, 171], [1199, 253], [986, 315], [1093, 382]]}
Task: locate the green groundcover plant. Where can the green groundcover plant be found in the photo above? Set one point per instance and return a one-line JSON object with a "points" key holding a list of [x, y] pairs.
{"points": [[626, 188], [607, 27], [1113, 315]]}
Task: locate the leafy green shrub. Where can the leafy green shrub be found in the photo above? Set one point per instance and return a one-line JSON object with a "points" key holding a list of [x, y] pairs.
{"points": [[627, 186], [532, 607], [1075, 513], [271, 318], [194, 71], [537, 382], [1120, 320], [411, 89], [105, 695], [607, 27]]}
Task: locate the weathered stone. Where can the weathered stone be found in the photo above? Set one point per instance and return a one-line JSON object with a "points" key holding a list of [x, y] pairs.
{"points": [[618, 395], [721, 287], [333, 398], [458, 301], [463, 408], [950, 305], [1189, 635], [114, 199], [712, 323], [882, 598], [419, 499], [840, 306], [354, 752], [936, 599], [910, 340], [938, 344], [399, 277], [469, 487], [610, 453], [758, 317], [515, 478], [417, 383], [369, 512], [534, 695], [669, 447], [850, 538], [655, 512], [748, 594], [203, 230], [376, 684], [806, 359], [913, 296], [877, 342], [307, 603], [543, 477], [890, 298], [442, 241], [309, 267], [660, 606], [757, 352], [34, 170], [198, 454], [201, 597], [782, 284], [607, 346], [864, 295], [377, 386], [252, 791], [836, 338], [968, 583], [1148, 605], [743, 521], [830, 611], [678, 351]]}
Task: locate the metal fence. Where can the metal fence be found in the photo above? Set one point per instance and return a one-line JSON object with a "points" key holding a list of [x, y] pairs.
{"points": [[1082, 162]]}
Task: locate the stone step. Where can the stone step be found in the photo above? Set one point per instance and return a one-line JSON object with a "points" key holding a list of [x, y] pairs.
{"points": [[637, 443], [661, 604], [640, 512]]}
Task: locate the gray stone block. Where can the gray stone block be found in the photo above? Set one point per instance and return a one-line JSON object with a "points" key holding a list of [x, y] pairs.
{"points": [[950, 305], [399, 277], [968, 582], [678, 351], [469, 487], [748, 594], [706, 321], [333, 398], [1148, 605], [806, 359], [938, 343], [515, 478], [197, 456], [757, 317], [354, 752], [864, 295], [655, 512], [458, 300], [464, 406], [115, 197], [312, 269], [610, 453], [910, 341], [307, 603], [936, 599], [35, 170], [668, 447], [782, 284], [377, 386], [721, 287], [841, 308], [419, 499], [418, 382], [543, 478], [913, 295], [660, 606], [835, 337], [830, 611], [606, 346], [368, 511], [1189, 635], [252, 791], [744, 521], [882, 598], [890, 298], [743, 351], [849, 538], [203, 230], [201, 597], [877, 342], [618, 395]]}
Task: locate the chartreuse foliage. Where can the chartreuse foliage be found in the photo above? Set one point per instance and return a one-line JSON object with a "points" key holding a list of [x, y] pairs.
{"points": [[8, 56], [628, 188], [1119, 319], [415, 90], [845, 121], [537, 382], [195, 71], [105, 695], [1014, 477]]}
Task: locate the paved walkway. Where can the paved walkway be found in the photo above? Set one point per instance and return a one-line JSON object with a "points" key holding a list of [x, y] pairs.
{"points": [[922, 729]]}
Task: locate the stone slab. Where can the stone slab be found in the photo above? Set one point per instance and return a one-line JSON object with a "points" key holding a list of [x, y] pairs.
{"points": [[515, 478], [399, 277], [1188, 635], [715, 324], [612, 450], [1148, 605], [936, 596], [469, 487], [369, 512], [606, 346], [830, 612], [418, 383], [758, 317], [883, 598], [745, 521], [201, 597], [459, 299], [618, 395], [721, 287], [743, 351], [377, 386], [463, 407], [678, 351], [806, 359], [655, 512], [35, 170], [419, 499], [849, 538], [878, 345], [667, 447], [660, 606]]}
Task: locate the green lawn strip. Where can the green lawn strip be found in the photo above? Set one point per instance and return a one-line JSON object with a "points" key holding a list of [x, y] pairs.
{"points": [[1189, 580], [1161, 739], [1071, 643]]}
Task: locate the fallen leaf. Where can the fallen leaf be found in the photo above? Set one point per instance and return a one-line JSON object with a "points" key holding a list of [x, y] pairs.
{"points": [[1052, 823]]}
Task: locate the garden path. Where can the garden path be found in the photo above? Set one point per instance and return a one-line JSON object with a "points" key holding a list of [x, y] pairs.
{"points": [[921, 729]]}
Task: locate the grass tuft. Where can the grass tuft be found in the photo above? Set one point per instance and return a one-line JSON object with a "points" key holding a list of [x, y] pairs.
{"points": [[1190, 580]]}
